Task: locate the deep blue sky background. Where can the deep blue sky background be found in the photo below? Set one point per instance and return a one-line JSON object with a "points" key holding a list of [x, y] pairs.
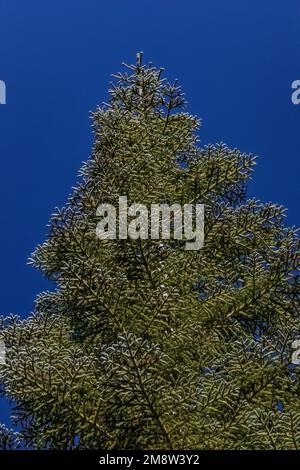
{"points": [[235, 59]]}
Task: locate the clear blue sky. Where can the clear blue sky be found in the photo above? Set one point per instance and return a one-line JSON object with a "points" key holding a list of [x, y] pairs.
{"points": [[236, 60]]}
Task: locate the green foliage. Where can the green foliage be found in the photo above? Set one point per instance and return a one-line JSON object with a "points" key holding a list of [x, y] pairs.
{"points": [[9, 440], [144, 344]]}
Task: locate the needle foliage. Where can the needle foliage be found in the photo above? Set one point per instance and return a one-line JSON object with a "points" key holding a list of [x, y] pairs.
{"points": [[143, 344]]}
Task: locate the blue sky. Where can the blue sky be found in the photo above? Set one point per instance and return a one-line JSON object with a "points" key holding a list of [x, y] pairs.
{"points": [[235, 59]]}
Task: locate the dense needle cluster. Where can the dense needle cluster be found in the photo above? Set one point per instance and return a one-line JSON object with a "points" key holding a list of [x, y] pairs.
{"points": [[143, 344]]}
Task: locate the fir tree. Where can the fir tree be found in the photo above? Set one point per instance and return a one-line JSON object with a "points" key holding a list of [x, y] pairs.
{"points": [[144, 344]]}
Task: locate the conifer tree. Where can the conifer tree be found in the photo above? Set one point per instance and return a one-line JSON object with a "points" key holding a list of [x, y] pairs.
{"points": [[143, 344]]}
